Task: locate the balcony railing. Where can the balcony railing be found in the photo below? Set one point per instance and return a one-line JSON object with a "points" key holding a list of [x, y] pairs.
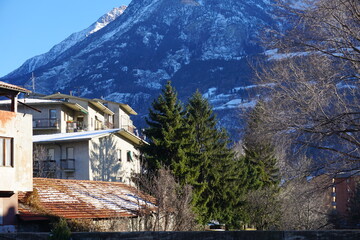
{"points": [[41, 123], [74, 126], [67, 164], [109, 125], [130, 128]]}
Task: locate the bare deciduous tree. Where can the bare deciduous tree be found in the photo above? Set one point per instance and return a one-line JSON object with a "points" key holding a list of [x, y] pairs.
{"points": [[314, 103], [305, 201], [42, 166], [173, 202]]}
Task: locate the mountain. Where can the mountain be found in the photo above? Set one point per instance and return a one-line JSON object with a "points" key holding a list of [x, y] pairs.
{"points": [[198, 44]]}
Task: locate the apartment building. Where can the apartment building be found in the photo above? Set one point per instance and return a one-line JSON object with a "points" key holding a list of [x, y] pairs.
{"points": [[61, 113], [15, 156], [102, 155], [80, 138]]}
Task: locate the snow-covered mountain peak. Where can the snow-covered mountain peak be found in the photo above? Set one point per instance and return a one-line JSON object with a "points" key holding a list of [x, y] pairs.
{"points": [[127, 56], [106, 19]]}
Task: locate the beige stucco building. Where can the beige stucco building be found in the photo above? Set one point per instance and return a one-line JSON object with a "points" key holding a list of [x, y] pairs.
{"points": [[15, 156], [61, 113], [102, 155], [80, 138]]}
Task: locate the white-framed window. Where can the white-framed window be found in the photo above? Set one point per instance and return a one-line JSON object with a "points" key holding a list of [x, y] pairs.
{"points": [[6, 152], [118, 153], [129, 156]]}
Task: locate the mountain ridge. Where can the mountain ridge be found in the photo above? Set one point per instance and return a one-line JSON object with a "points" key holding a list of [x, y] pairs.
{"points": [[197, 44]]}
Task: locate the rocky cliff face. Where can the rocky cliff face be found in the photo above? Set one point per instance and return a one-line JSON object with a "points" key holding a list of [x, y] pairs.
{"points": [[198, 44]]}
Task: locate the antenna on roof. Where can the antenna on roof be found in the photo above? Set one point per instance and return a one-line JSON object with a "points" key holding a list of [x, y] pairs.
{"points": [[33, 81]]}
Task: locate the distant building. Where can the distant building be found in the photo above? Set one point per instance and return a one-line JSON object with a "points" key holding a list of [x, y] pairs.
{"points": [[15, 156], [343, 189]]}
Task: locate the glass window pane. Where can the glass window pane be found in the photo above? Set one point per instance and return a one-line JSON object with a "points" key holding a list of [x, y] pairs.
{"points": [[2, 160], [8, 152], [52, 113], [51, 154], [119, 154], [70, 153]]}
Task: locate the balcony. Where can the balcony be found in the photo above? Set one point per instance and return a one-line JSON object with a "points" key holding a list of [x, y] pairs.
{"points": [[46, 123], [109, 125], [68, 165], [73, 126], [129, 128]]}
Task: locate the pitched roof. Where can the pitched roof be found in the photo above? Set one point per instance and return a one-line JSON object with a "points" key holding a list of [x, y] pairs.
{"points": [[87, 135], [12, 87], [96, 103], [86, 199], [123, 106], [75, 136], [36, 101]]}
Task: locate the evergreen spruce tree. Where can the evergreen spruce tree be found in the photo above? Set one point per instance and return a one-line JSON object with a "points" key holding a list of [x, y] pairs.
{"points": [[169, 136], [260, 157], [260, 169], [217, 178]]}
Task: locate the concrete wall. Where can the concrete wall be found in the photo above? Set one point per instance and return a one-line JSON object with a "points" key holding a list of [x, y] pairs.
{"points": [[19, 127], [81, 156], [44, 114], [241, 235], [104, 160], [8, 210], [116, 109], [17, 177]]}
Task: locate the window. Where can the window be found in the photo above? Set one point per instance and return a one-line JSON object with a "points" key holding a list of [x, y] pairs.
{"points": [[69, 153], [52, 117], [129, 156], [118, 152], [6, 152], [52, 113], [51, 154]]}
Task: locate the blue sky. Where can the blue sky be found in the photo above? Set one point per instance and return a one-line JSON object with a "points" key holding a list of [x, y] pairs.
{"points": [[32, 27]]}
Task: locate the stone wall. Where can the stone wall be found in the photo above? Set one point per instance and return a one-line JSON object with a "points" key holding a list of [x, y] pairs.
{"points": [[240, 235]]}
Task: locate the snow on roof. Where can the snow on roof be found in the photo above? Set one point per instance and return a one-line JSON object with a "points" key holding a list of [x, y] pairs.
{"points": [[87, 199], [31, 100], [58, 137]]}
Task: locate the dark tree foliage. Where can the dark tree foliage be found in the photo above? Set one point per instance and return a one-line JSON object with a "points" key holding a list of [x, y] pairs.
{"points": [[168, 134], [260, 160], [217, 182], [261, 173], [199, 154]]}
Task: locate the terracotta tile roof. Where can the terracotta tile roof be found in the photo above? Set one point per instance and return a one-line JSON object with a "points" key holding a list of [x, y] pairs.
{"points": [[86, 199], [5, 85]]}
